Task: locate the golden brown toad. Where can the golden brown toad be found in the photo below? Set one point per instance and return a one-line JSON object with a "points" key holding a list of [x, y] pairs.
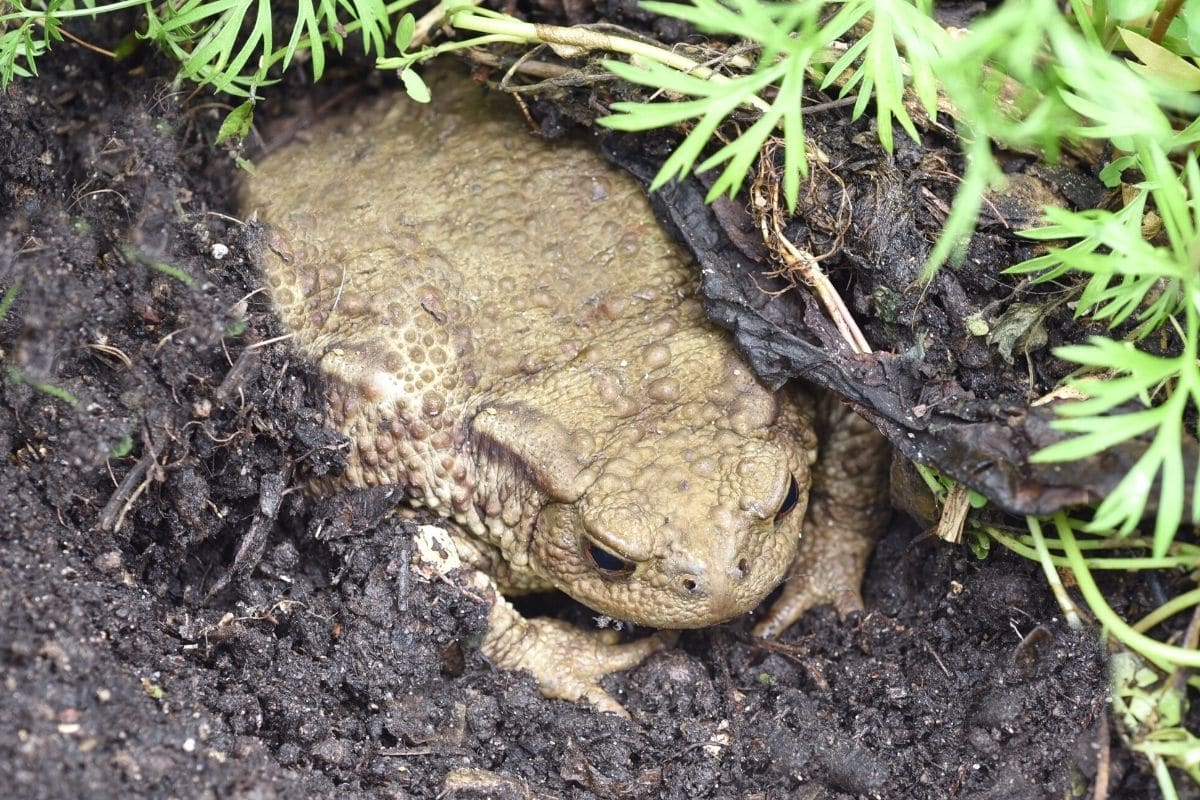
{"points": [[511, 340]]}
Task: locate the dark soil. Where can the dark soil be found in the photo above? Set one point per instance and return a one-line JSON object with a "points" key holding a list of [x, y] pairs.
{"points": [[180, 621]]}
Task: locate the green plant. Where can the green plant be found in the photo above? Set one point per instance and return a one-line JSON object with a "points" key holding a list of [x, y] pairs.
{"points": [[6, 300], [1149, 677], [1151, 670], [16, 375], [132, 255], [228, 45], [793, 39], [1156, 287]]}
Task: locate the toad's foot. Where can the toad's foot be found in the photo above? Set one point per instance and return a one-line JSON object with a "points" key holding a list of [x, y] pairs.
{"points": [[828, 569], [847, 508], [567, 662]]}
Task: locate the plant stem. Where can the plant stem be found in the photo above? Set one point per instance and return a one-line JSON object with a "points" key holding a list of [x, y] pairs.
{"points": [[586, 40], [32, 13], [1163, 20], [1117, 627], [94, 48], [1165, 784], [1025, 549], [1179, 549], [1167, 610], [430, 20], [1060, 593]]}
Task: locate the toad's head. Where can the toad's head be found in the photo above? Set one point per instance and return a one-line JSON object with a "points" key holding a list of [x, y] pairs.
{"points": [[680, 527]]}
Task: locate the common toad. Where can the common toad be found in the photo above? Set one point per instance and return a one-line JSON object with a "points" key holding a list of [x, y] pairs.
{"points": [[510, 339]]}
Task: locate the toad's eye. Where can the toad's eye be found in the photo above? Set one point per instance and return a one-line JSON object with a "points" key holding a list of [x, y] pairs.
{"points": [[789, 501], [608, 565]]}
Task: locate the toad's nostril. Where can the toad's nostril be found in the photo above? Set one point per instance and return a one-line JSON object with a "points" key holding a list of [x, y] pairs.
{"points": [[743, 567], [689, 585]]}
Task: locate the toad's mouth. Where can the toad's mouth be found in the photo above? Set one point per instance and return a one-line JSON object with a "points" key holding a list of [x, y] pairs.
{"points": [[694, 600]]}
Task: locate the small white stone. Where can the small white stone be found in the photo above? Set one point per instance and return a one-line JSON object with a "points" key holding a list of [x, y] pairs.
{"points": [[436, 553], [219, 251]]}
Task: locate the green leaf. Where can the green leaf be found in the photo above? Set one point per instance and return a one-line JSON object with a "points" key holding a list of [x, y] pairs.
{"points": [[237, 123], [57, 392], [844, 63], [1111, 174], [306, 22], [1130, 9], [122, 448], [1099, 433], [1190, 14], [376, 24], [404, 31], [10, 294], [741, 153], [1161, 63], [414, 85], [660, 76], [647, 116]]}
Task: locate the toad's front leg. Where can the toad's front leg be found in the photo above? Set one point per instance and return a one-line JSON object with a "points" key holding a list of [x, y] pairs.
{"points": [[848, 507], [567, 662]]}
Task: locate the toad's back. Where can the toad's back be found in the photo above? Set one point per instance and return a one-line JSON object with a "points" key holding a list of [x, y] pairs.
{"points": [[439, 246]]}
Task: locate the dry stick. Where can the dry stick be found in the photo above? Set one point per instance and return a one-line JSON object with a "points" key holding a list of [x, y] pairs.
{"points": [[1103, 762], [430, 20], [585, 40], [955, 508], [237, 374], [561, 75], [111, 351], [88, 45], [535, 69], [1191, 637], [254, 541], [804, 264], [129, 490]]}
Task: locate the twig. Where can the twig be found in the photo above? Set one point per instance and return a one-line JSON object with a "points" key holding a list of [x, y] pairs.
{"points": [[268, 342], [237, 375], [1103, 760], [118, 505], [253, 543], [577, 41], [524, 65], [954, 513], [94, 48], [1163, 20], [937, 658], [801, 262]]}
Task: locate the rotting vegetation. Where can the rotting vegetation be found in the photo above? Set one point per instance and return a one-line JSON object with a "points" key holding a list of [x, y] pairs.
{"points": [[201, 419]]}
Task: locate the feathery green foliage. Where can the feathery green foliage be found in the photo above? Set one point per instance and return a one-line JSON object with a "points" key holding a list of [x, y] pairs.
{"points": [[231, 46]]}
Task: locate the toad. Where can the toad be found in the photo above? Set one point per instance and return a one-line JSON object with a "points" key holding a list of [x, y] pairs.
{"points": [[508, 338]]}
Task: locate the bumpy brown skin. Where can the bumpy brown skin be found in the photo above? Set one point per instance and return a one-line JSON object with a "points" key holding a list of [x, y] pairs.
{"points": [[511, 340]]}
